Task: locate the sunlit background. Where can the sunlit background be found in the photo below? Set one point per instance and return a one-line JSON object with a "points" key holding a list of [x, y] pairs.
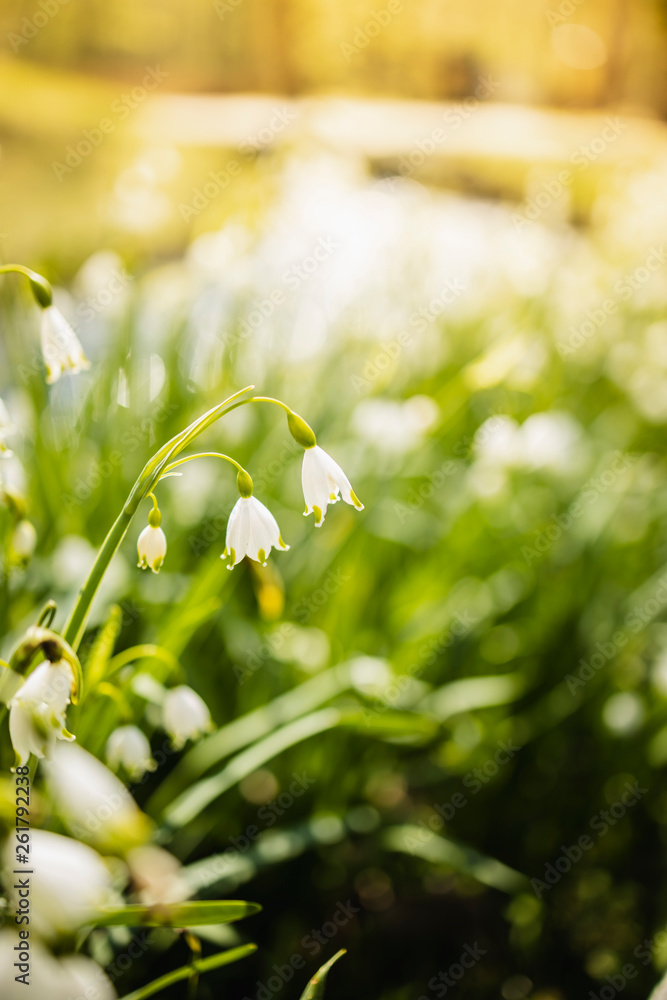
{"points": [[436, 229]]}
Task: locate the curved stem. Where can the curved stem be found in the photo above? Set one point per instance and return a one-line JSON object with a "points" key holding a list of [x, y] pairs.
{"points": [[202, 454], [270, 399], [40, 287], [145, 483]]}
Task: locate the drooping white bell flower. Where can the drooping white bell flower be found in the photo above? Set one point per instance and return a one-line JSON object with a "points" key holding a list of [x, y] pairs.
{"points": [[152, 542], [94, 804], [252, 531], [185, 715], [128, 746], [71, 886], [324, 482], [152, 548], [61, 349], [37, 710]]}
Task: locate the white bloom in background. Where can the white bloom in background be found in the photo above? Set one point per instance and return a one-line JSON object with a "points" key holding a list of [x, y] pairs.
{"points": [[151, 548], [37, 710], [157, 876], [252, 531], [128, 746], [61, 349], [324, 482], [185, 715], [6, 427], [71, 886], [23, 541], [93, 802], [71, 977]]}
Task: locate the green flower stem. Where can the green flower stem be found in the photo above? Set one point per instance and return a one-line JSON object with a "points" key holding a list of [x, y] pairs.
{"points": [[186, 971], [144, 485], [203, 454], [39, 286]]}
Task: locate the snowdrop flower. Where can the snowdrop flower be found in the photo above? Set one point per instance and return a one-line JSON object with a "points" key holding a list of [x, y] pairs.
{"points": [[185, 715], [61, 349], [252, 530], [73, 886], [94, 803], [129, 746], [152, 542], [324, 482], [37, 710]]}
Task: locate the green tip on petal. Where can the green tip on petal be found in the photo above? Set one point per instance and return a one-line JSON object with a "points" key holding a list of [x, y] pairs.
{"points": [[157, 565], [318, 516], [356, 501], [261, 557], [282, 543]]}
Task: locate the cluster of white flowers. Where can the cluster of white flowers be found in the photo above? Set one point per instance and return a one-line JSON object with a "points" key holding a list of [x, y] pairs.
{"points": [[252, 530]]}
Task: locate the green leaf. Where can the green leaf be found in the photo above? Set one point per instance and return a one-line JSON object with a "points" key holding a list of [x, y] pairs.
{"points": [[423, 843], [315, 988], [192, 914], [195, 968]]}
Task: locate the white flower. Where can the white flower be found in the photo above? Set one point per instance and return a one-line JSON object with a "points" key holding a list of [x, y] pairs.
{"points": [[129, 746], [71, 977], [6, 427], [37, 710], [152, 548], [252, 531], [71, 886], [93, 802], [185, 715], [61, 349], [157, 876], [324, 482]]}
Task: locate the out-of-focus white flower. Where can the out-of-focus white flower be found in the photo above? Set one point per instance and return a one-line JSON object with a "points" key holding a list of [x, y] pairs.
{"points": [[128, 746], [6, 427], [71, 886], [324, 482], [37, 710], [252, 531], [68, 978], [94, 803], [185, 715], [157, 876], [23, 541], [61, 349], [152, 548]]}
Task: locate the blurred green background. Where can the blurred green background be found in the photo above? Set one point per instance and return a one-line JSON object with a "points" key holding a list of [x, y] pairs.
{"points": [[436, 230]]}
